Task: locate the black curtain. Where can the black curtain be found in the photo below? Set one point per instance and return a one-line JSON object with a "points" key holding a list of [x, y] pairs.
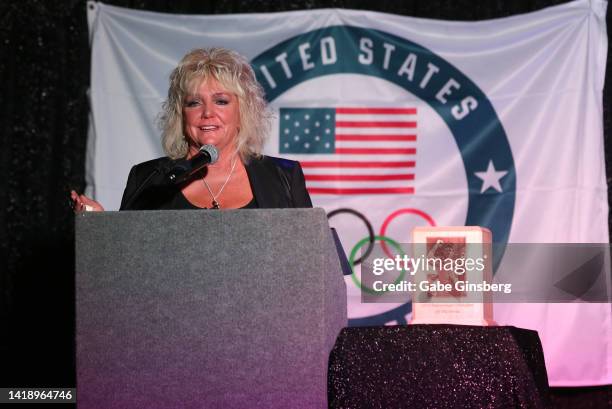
{"points": [[44, 71]]}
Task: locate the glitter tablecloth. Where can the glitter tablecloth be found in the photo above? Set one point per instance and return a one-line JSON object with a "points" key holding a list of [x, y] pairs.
{"points": [[437, 366]]}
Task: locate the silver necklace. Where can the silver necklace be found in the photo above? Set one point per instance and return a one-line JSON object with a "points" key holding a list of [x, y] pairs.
{"points": [[215, 204]]}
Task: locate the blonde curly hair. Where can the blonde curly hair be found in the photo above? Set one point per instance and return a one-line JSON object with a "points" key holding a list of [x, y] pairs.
{"points": [[235, 74]]}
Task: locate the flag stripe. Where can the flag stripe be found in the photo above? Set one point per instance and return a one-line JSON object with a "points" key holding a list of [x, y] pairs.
{"points": [[363, 191], [375, 144], [356, 164], [355, 137], [380, 151], [409, 111], [355, 178], [376, 124], [374, 117], [376, 131]]}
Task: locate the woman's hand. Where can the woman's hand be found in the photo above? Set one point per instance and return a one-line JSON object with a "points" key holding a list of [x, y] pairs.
{"points": [[82, 203]]}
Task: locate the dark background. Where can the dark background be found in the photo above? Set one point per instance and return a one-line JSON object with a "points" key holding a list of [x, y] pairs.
{"points": [[44, 78]]}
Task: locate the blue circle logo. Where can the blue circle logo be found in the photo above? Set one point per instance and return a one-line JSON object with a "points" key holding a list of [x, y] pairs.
{"points": [[466, 110]]}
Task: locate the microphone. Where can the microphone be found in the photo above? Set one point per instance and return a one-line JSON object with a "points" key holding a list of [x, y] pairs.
{"points": [[182, 170]]}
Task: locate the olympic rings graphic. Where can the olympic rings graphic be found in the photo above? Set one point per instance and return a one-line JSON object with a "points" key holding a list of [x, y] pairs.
{"points": [[370, 237], [399, 313], [354, 251]]}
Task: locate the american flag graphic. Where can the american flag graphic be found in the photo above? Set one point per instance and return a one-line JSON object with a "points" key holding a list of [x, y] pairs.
{"points": [[352, 150]]}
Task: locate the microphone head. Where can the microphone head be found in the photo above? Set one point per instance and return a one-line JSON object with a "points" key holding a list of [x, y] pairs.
{"points": [[211, 151]]}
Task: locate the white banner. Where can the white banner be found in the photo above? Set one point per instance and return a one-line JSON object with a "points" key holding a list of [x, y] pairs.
{"points": [[400, 122]]}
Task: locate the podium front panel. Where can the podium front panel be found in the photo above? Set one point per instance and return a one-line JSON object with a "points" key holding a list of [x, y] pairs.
{"points": [[231, 308]]}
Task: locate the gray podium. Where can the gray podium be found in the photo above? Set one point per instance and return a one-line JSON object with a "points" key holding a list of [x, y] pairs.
{"points": [[206, 309]]}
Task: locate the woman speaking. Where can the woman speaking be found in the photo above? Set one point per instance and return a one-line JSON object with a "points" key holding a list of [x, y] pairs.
{"points": [[214, 99]]}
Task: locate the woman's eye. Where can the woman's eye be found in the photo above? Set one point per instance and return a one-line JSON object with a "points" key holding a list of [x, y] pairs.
{"points": [[192, 103], [222, 102]]}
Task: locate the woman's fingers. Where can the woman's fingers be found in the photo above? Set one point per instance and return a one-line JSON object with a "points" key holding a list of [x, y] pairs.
{"points": [[90, 204], [77, 203], [84, 204]]}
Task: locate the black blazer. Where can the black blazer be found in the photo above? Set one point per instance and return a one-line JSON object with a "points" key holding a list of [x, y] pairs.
{"points": [[276, 183]]}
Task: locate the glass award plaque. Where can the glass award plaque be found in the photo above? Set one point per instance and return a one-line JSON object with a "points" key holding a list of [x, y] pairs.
{"points": [[454, 276]]}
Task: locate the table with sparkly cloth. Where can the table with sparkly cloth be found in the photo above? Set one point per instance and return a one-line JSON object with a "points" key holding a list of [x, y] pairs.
{"points": [[437, 366]]}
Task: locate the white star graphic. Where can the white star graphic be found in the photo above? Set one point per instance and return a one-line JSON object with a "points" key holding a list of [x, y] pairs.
{"points": [[491, 178]]}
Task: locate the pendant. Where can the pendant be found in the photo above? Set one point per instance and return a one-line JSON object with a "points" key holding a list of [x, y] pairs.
{"points": [[215, 205]]}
